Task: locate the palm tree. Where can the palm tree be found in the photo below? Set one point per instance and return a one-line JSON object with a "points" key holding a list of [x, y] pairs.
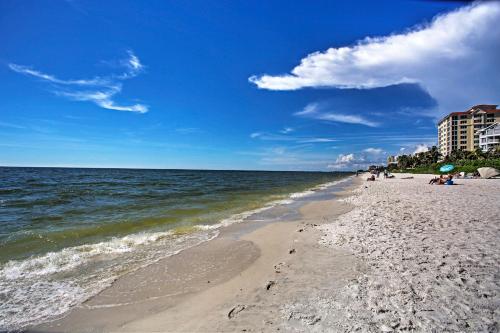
{"points": [[403, 161], [457, 155], [434, 154]]}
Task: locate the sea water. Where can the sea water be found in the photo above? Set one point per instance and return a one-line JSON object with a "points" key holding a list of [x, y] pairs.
{"points": [[67, 233]]}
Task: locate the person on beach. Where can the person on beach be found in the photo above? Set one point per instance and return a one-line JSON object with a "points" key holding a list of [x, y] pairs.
{"points": [[371, 178], [442, 180], [434, 180]]}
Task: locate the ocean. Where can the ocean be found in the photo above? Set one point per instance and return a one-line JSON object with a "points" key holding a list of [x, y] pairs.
{"points": [[68, 233]]}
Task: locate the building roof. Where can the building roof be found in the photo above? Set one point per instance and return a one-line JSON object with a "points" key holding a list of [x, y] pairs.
{"points": [[487, 108]]}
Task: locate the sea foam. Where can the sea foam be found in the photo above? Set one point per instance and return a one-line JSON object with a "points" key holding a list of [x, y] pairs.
{"points": [[45, 287], [238, 218]]}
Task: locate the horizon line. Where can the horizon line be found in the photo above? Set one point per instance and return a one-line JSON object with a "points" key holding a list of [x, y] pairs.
{"points": [[180, 169]]}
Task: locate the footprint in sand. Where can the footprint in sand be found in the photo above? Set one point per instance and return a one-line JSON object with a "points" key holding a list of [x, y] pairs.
{"points": [[234, 311]]}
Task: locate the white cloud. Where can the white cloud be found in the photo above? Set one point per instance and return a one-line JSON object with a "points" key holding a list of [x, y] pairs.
{"points": [[456, 52], [303, 157], [271, 136], [421, 149], [317, 140], [132, 64], [374, 151], [10, 125], [102, 90], [345, 158], [297, 157], [286, 130], [280, 137], [188, 130], [47, 77], [346, 162], [278, 150], [317, 111], [358, 160]]}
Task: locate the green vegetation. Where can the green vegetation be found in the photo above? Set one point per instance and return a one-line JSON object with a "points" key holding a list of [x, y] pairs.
{"points": [[430, 161]]}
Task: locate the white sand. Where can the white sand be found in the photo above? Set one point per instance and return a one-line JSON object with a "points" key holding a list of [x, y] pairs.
{"points": [[432, 255]]}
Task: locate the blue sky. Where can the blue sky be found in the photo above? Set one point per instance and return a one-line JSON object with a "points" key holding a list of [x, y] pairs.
{"points": [[263, 85]]}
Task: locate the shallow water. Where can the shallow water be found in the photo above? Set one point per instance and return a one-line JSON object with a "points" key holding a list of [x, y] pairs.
{"points": [[66, 234]]}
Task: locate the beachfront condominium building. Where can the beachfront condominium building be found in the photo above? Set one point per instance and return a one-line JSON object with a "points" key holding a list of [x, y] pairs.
{"points": [[460, 130], [392, 160], [489, 137]]}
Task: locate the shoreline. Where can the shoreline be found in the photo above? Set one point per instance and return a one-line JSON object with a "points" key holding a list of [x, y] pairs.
{"points": [[254, 248], [385, 256], [44, 286]]}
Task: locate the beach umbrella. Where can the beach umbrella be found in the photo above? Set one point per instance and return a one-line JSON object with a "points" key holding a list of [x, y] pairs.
{"points": [[447, 168]]}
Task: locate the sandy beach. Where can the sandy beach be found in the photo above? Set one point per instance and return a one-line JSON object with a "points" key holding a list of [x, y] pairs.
{"points": [[432, 256], [390, 255]]}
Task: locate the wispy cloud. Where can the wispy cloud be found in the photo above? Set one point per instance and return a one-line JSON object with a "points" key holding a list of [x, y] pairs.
{"points": [[320, 112], [47, 77], [287, 130], [99, 90], [306, 157], [188, 130], [374, 151], [272, 136], [291, 138], [10, 125], [293, 158], [317, 140], [452, 54]]}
